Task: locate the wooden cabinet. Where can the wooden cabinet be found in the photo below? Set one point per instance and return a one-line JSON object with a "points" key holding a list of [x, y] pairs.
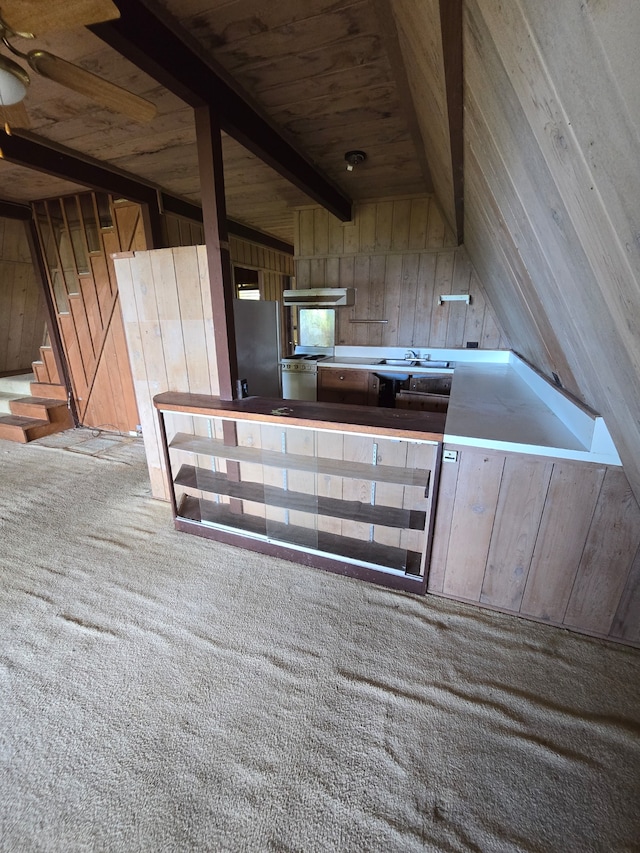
{"points": [[358, 387], [426, 393], [354, 503]]}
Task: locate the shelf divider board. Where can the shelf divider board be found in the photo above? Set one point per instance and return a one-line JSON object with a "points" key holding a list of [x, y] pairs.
{"points": [[369, 553], [332, 467], [217, 483]]}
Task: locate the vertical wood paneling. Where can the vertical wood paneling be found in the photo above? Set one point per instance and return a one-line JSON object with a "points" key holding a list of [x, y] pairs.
{"points": [[571, 500], [518, 513], [22, 309], [445, 502], [609, 552], [477, 492], [626, 623], [168, 322], [403, 257], [554, 540]]}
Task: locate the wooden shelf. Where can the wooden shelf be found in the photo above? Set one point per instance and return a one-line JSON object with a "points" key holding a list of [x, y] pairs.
{"points": [[234, 505], [191, 477], [314, 464], [372, 553]]}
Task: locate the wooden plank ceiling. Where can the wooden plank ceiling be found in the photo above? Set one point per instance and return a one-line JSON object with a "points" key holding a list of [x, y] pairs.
{"points": [[318, 70]]}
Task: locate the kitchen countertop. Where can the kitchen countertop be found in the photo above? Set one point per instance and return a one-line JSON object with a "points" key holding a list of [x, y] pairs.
{"points": [[379, 366], [499, 402]]}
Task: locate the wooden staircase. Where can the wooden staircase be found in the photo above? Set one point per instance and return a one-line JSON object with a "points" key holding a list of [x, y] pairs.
{"points": [[44, 412]]}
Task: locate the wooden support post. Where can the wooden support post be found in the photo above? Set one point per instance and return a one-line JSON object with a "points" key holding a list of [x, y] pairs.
{"points": [[152, 222], [217, 242]]}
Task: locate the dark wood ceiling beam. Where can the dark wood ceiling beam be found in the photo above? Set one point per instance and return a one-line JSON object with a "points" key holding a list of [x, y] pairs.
{"points": [[451, 26], [34, 154], [14, 210], [62, 163], [164, 50]]}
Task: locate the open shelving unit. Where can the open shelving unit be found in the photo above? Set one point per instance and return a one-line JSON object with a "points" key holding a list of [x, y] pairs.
{"points": [[358, 503]]}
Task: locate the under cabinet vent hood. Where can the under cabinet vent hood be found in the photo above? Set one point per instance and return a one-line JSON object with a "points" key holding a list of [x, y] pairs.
{"points": [[320, 297]]}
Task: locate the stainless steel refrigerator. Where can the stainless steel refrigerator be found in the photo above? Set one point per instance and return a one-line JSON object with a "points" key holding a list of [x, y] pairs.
{"points": [[258, 345]]}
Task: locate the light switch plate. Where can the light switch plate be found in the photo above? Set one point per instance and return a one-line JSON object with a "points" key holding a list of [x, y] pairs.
{"points": [[450, 456]]}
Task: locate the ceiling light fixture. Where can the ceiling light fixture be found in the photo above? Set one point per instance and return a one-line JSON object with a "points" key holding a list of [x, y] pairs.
{"points": [[13, 82], [354, 158]]}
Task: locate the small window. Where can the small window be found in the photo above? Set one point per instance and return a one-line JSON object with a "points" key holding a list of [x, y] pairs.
{"points": [[247, 283]]}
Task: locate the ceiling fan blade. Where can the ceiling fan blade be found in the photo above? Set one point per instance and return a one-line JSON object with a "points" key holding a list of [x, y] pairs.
{"points": [[15, 116], [106, 94], [45, 16]]}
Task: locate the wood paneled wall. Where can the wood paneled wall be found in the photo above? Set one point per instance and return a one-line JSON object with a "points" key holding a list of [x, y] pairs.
{"points": [[181, 232], [420, 42], [168, 322], [553, 540], [552, 193], [22, 308], [166, 305], [400, 256], [275, 267]]}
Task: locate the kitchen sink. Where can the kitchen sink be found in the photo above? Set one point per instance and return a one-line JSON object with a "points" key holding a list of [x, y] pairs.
{"points": [[428, 363], [400, 362]]}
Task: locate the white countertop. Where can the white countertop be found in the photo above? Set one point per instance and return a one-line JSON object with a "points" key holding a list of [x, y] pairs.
{"points": [[499, 402]]}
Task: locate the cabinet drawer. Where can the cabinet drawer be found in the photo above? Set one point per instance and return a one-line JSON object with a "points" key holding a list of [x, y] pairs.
{"points": [[422, 401], [356, 379], [431, 384]]}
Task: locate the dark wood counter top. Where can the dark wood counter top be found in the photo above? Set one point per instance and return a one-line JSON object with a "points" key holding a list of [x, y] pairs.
{"points": [[426, 426]]}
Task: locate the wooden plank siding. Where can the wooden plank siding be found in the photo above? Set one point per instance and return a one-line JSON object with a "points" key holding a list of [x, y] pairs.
{"points": [[548, 539], [552, 194], [400, 256], [22, 306], [168, 324]]}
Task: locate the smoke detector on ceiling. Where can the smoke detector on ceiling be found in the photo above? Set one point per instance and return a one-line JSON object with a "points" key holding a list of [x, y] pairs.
{"points": [[354, 158]]}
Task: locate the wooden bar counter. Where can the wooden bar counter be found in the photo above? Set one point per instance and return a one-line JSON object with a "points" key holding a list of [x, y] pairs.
{"points": [[340, 487], [334, 416]]}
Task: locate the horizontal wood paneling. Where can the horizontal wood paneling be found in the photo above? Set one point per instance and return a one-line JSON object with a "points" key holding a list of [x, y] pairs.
{"points": [[553, 194], [400, 256], [22, 307], [552, 540]]}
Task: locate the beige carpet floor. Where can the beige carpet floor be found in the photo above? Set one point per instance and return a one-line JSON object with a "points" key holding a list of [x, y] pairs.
{"points": [[159, 692]]}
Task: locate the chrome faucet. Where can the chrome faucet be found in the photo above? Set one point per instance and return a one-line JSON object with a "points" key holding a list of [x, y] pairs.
{"points": [[411, 354]]}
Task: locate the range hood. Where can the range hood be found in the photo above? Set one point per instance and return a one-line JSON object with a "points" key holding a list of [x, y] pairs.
{"points": [[320, 297]]}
